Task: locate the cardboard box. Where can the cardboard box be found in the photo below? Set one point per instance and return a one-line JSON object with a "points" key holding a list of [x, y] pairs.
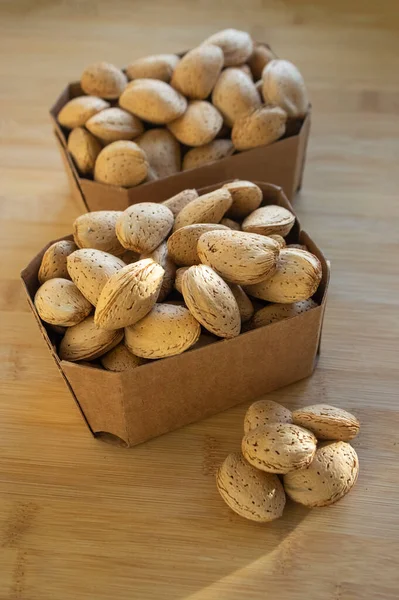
{"points": [[166, 394], [281, 163]]}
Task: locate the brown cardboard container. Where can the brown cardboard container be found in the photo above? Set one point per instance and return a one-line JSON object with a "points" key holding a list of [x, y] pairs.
{"points": [[281, 163], [166, 394]]}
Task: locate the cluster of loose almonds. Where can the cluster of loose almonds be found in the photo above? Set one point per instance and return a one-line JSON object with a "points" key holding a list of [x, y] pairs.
{"points": [[228, 94], [154, 274], [308, 448]]}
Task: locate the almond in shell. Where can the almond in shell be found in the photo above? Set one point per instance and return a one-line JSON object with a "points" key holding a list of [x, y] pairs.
{"points": [[259, 58], [162, 151], [284, 86], [234, 95], [120, 359], [129, 294], [230, 224], [54, 261], [237, 45], [59, 302], [179, 278], [197, 72], [86, 341], [280, 240], [97, 230], [209, 208], [279, 447], [208, 153], [104, 80], [260, 127], [143, 226], [250, 493], [84, 149], [161, 256], [199, 125], [121, 163], [180, 200], [272, 313], [166, 331], [157, 66], [113, 124], [247, 197], [269, 219], [153, 100], [77, 111], [182, 244], [263, 413], [327, 422], [211, 301], [244, 304]]}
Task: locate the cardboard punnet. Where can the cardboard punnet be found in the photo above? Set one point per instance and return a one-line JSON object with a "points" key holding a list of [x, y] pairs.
{"points": [[166, 394], [281, 163]]}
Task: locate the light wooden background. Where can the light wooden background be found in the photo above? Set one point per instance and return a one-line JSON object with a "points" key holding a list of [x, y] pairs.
{"points": [[84, 520]]}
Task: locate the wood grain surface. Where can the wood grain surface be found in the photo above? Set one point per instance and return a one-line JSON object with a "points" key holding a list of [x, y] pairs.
{"points": [[85, 520]]}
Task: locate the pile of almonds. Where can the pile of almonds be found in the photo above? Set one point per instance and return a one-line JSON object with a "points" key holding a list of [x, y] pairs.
{"points": [[228, 94], [153, 274], [308, 448]]}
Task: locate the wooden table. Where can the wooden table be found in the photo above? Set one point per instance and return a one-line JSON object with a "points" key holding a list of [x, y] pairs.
{"points": [[85, 520]]}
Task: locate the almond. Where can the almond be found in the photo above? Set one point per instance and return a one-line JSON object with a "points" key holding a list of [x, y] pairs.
{"points": [[298, 246], [231, 224], [272, 313], [269, 219], [113, 124], [161, 256], [180, 200], [84, 149], [211, 301], [263, 413], [153, 100], [209, 208], [77, 111], [120, 359], [259, 127], [248, 492], [129, 295], [54, 261], [280, 240], [235, 95], [97, 230], [143, 226], [104, 80], [237, 45], [199, 125], [90, 270], [279, 447], [296, 278], [247, 197], [327, 422], [162, 151], [121, 163], [239, 257], [86, 341], [203, 155], [59, 302], [259, 58], [179, 278], [283, 86], [259, 87], [197, 72], [245, 69], [244, 304], [157, 66], [166, 331], [182, 244], [330, 476]]}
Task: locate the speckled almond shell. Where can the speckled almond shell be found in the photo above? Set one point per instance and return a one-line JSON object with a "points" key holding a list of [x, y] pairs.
{"points": [[272, 313], [269, 219], [54, 261], [264, 412], [162, 151], [247, 197], [129, 295], [245, 69], [182, 244], [235, 95], [86, 341], [230, 224], [239, 257], [77, 111], [279, 447], [197, 72], [180, 200], [113, 124], [250, 493], [260, 127], [121, 163], [237, 45], [327, 422], [209, 208], [84, 149], [157, 66], [59, 302], [284, 86], [179, 278], [120, 359], [211, 301], [97, 230], [259, 58], [161, 256], [153, 100], [90, 270], [330, 476], [296, 278], [199, 125], [104, 80], [166, 331], [143, 226], [280, 240], [203, 155], [244, 304]]}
